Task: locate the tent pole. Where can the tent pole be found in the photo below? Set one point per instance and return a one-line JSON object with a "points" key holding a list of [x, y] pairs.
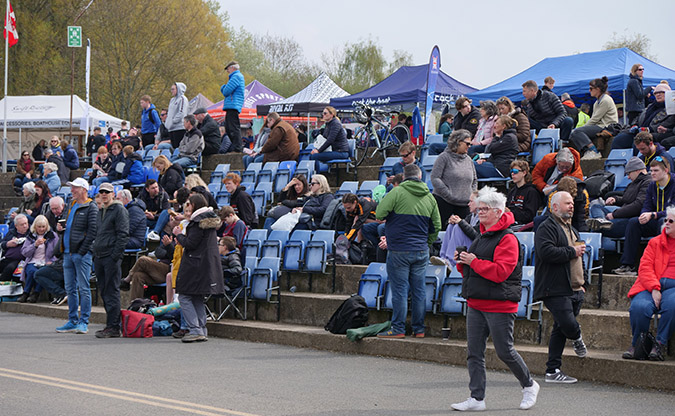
{"points": [[4, 128], [624, 106], [19, 143]]}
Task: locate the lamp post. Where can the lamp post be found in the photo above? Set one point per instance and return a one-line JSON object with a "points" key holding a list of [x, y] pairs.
{"points": [[72, 62]]}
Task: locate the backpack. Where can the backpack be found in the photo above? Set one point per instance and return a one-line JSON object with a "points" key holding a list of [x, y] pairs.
{"points": [[361, 253], [342, 246], [599, 183], [141, 305], [353, 313], [330, 217]]}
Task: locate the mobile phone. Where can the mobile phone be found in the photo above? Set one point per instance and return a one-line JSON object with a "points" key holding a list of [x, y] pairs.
{"points": [[63, 222], [460, 250]]}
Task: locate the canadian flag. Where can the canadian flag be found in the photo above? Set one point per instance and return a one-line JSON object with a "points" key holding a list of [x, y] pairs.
{"points": [[10, 27]]}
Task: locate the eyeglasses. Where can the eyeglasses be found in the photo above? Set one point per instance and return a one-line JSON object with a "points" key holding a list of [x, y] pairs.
{"points": [[514, 171], [405, 155], [163, 114], [484, 209], [669, 220]]}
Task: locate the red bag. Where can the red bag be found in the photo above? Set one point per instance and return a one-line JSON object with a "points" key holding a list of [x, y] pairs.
{"points": [[136, 324]]}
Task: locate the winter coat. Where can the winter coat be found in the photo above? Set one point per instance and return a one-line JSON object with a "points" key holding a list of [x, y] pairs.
{"points": [[172, 179], [653, 263], [112, 232], [28, 248], [117, 167], [137, 223], [453, 177], [503, 150], [83, 228], [523, 202], [545, 108], [633, 198], [27, 203], [94, 142], [38, 152], [22, 168], [654, 116], [544, 169], [282, 143], [365, 210], [317, 205], [522, 130], [552, 275], [492, 283], [200, 253], [13, 253], [468, 122], [211, 133], [635, 94], [231, 266], [70, 158], [657, 199], [445, 129], [572, 111], [192, 145], [178, 107], [63, 170], [336, 136], [233, 92], [133, 169], [484, 132], [242, 203], [150, 120], [157, 204], [53, 182], [413, 219]]}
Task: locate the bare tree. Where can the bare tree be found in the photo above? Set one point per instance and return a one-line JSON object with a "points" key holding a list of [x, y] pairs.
{"points": [[637, 42]]}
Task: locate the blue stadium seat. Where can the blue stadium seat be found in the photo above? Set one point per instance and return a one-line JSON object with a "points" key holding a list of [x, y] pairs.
{"points": [[540, 148], [553, 134], [284, 174], [386, 168], [451, 301], [268, 172], [527, 303], [427, 165], [254, 241], [318, 249], [616, 162], [250, 175], [306, 167], [294, 250], [149, 157], [4, 229], [262, 195], [371, 284], [366, 188], [434, 277], [264, 282], [526, 239], [594, 258], [273, 246], [214, 188], [347, 187]]}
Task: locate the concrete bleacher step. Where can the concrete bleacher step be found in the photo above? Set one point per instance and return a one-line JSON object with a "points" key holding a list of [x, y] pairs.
{"points": [[598, 366]]}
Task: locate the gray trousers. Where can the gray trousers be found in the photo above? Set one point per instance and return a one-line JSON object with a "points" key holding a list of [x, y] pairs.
{"points": [[480, 325], [194, 313]]}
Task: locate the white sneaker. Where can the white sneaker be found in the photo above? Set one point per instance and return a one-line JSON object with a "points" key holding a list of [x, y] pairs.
{"points": [[530, 396], [591, 155], [471, 405], [153, 236]]}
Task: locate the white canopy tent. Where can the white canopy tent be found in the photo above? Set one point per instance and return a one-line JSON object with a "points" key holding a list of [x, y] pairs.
{"points": [[40, 116]]}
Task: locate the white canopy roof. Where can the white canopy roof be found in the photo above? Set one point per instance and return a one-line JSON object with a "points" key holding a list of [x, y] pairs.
{"points": [[53, 112]]}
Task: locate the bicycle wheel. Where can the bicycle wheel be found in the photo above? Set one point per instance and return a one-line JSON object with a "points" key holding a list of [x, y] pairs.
{"points": [[390, 142], [362, 140]]}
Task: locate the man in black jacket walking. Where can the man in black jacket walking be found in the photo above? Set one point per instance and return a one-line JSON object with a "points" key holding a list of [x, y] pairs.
{"points": [[112, 237], [559, 281]]}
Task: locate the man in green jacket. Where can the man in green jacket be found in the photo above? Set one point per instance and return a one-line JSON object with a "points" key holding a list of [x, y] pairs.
{"points": [[412, 224]]}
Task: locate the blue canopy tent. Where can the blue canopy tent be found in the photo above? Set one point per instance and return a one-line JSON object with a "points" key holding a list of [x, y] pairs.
{"points": [[403, 89], [573, 73]]}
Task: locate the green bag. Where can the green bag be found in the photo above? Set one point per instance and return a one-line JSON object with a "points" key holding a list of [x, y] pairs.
{"points": [[368, 331]]}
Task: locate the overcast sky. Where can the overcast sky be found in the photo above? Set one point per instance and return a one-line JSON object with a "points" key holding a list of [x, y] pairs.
{"points": [[481, 43]]}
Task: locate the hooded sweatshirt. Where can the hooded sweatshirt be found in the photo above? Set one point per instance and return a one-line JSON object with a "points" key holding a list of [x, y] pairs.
{"points": [[413, 220], [178, 107]]}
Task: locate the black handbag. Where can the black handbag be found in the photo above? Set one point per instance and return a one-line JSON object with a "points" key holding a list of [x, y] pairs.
{"points": [[643, 346]]}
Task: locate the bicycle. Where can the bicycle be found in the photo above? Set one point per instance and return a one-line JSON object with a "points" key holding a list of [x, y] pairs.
{"points": [[369, 134]]}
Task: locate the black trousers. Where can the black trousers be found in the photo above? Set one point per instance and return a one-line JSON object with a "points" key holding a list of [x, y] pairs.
{"points": [[446, 209], [233, 129], [176, 136], [7, 267], [565, 326], [108, 275], [147, 138]]}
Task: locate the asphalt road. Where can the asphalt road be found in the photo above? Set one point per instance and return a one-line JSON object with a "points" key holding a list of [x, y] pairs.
{"points": [[45, 373]]}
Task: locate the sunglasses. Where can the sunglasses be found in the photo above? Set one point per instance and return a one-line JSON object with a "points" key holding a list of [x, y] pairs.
{"points": [[104, 192], [467, 143], [659, 159], [640, 69], [405, 155], [314, 183], [669, 220], [514, 171]]}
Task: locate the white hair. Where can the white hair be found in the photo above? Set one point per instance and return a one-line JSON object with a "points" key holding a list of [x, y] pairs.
{"points": [[18, 217], [669, 211], [124, 194], [56, 201], [29, 186], [51, 166], [493, 199]]}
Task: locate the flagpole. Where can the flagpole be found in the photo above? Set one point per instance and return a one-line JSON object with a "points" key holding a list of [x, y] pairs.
{"points": [[4, 127]]}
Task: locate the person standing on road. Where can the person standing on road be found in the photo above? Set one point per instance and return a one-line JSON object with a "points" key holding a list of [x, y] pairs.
{"points": [[412, 224], [559, 281], [111, 238], [492, 270], [233, 92], [80, 231]]}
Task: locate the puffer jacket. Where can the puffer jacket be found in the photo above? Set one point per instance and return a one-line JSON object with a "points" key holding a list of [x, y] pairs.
{"points": [[653, 263], [113, 231], [200, 252], [172, 179], [83, 228], [211, 133], [522, 130], [544, 169], [545, 108], [233, 92], [635, 94], [133, 169], [70, 157], [28, 248], [178, 107], [137, 223]]}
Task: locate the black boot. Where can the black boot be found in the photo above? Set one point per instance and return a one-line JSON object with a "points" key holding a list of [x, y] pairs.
{"points": [[33, 297], [23, 298]]}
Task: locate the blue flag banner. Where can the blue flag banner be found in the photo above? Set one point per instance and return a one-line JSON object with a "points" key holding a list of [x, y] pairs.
{"points": [[432, 76]]}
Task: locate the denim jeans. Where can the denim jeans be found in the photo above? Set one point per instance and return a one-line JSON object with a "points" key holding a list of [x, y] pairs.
{"points": [[76, 274], [583, 136], [108, 275], [51, 280], [437, 148], [476, 148], [406, 271], [101, 179], [194, 313], [624, 140], [183, 162], [487, 170], [326, 156], [634, 233], [565, 326], [373, 231], [479, 326], [642, 308], [251, 159], [618, 229], [160, 146], [30, 283], [158, 224]]}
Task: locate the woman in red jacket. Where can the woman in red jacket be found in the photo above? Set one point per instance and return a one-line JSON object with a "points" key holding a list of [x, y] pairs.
{"points": [[654, 290]]}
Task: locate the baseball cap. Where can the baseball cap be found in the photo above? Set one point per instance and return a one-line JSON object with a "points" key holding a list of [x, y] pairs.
{"points": [[80, 183], [106, 187]]}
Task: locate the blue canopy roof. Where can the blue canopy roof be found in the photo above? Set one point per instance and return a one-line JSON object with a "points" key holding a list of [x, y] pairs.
{"points": [[573, 73], [406, 86]]}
